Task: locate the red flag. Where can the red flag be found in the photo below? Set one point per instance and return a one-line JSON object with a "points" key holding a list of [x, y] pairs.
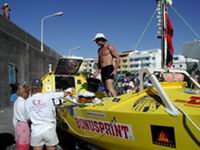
{"points": [[169, 34]]}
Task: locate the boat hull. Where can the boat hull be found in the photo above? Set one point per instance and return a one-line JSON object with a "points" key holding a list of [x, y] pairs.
{"points": [[131, 123]]}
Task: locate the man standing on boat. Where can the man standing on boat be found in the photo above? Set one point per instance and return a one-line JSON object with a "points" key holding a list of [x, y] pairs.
{"points": [[108, 61]]}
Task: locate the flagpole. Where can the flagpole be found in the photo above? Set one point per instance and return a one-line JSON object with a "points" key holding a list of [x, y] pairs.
{"points": [[163, 30], [164, 36]]}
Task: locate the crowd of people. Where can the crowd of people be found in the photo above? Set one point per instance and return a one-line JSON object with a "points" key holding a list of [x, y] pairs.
{"points": [[194, 71], [127, 83]]}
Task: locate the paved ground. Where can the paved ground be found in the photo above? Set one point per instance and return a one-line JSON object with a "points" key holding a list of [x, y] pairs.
{"points": [[7, 131], [7, 134], [6, 120], [6, 128]]}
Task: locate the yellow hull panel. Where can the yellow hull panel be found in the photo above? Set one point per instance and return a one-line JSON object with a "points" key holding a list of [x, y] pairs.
{"points": [[136, 122]]}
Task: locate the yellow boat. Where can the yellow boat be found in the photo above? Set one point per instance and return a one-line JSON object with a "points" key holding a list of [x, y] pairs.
{"points": [[162, 115]]}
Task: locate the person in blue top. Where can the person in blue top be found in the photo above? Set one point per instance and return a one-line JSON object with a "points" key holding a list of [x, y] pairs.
{"points": [[14, 95]]}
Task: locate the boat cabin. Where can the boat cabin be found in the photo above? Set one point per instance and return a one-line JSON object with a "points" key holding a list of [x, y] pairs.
{"points": [[66, 75]]}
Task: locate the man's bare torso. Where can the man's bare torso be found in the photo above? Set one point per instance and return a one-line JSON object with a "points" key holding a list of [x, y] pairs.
{"points": [[105, 56]]}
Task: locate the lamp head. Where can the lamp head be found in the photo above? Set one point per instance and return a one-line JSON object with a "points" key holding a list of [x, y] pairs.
{"points": [[59, 13]]}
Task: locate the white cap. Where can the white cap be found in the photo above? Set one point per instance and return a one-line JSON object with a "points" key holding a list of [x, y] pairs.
{"points": [[5, 4], [99, 35], [68, 90], [87, 94]]}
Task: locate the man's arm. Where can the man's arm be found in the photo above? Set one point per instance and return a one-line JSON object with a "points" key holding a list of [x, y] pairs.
{"points": [[115, 55], [98, 66]]}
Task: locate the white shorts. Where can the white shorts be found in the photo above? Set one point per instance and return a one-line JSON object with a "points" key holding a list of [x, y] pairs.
{"points": [[48, 138]]}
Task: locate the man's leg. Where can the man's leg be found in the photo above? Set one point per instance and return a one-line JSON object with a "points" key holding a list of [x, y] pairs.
{"points": [[51, 147], [110, 88], [37, 147], [51, 139]]}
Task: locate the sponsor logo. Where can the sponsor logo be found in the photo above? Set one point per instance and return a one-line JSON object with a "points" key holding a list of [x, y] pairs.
{"points": [[164, 136], [114, 129], [36, 102], [146, 104], [194, 101]]}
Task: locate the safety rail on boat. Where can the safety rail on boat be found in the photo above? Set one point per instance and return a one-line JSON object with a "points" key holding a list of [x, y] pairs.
{"points": [[170, 108]]}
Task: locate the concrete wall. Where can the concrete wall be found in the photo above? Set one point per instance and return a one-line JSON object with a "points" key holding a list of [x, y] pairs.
{"points": [[19, 48]]}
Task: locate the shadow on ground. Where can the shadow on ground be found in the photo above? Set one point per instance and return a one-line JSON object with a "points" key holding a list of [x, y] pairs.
{"points": [[69, 142], [6, 140]]}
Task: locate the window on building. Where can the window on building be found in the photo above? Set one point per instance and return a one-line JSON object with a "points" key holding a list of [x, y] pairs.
{"points": [[12, 74], [125, 66], [175, 58], [124, 60], [131, 60], [136, 66]]}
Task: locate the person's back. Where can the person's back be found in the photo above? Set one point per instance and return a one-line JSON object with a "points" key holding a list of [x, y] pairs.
{"points": [[41, 112], [20, 120]]}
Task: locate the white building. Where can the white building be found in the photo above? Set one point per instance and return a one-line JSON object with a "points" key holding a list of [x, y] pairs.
{"points": [[182, 62], [145, 59], [134, 60], [89, 65]]}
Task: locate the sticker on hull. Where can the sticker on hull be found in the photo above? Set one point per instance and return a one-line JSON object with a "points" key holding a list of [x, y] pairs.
{"points": [[146, 104], [114, 129], [164, 136], [193, 101]]}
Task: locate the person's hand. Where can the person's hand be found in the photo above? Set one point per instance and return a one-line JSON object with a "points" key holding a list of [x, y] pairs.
{"points": [[114, 72], [68, 92], [96, 74]]}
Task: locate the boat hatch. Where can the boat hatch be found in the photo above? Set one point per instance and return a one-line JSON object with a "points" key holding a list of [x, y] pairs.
{"points": [[68, 66], [63, 82]]}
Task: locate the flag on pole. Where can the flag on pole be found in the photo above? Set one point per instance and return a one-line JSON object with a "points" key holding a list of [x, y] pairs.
{"points": [[169, 36]]}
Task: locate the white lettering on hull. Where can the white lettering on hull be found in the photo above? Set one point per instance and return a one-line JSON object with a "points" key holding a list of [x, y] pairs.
{"points": [[122, 131]]}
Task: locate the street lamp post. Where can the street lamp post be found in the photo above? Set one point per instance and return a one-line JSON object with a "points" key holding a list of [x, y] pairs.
{"points": [[42, 26]]}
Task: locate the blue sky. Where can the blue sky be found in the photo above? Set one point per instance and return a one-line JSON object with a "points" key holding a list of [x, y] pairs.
{"points": [[122, 21]]}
